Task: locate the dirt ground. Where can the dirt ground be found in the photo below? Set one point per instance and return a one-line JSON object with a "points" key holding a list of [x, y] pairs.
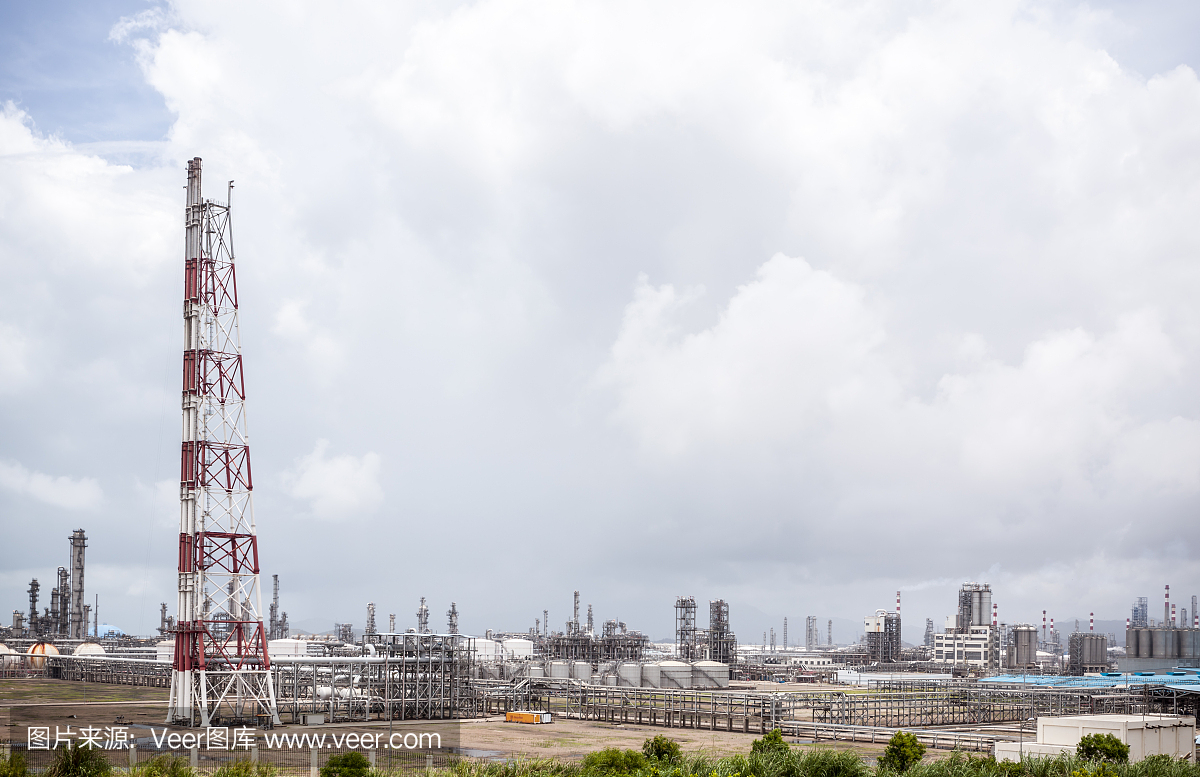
{"points": [[39, 702], [572, 739]]}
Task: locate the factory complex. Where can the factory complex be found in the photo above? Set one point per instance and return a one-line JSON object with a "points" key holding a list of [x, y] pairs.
{"points": [[223, 664]]}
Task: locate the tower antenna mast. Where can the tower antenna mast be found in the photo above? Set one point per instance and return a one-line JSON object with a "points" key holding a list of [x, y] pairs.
{"points": [[221, 672]]}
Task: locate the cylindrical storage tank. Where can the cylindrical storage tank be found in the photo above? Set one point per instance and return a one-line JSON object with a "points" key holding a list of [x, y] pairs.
{"points": [[629, 675], [1189, 645], [1093, 650], [1025, 645], [610, 679], [984, 613], [88, 649], [41, 649], [652, 675], [560, 669], [518, 648], [1131, 642], [287, 647], [1145, 644], [710, 674], [1159, 643], [485, 650], [581, 670], [165, 651], [536, 670], [675, 674]]}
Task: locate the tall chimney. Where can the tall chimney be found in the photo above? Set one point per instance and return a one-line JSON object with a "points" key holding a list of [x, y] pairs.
{"points": [[79, 625]]}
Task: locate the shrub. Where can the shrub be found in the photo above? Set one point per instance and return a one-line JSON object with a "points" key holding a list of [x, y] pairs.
{"points": [[351, 764], [13, 766], [772, 742], [661, 748], [165, 766], [77, 761], [252, 769], [613, 760], [1102, 770], [1102, 747], [823, 762], [902, 751]]}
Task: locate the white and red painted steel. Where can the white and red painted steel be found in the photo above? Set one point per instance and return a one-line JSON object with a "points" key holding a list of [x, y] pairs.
{"points": [[222, 670]]}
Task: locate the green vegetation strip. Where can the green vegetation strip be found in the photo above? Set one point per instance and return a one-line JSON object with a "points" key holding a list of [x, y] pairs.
{"points": [[770, 756]]}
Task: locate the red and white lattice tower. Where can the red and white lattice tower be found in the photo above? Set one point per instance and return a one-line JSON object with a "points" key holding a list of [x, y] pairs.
{"points": [[222, 673]]}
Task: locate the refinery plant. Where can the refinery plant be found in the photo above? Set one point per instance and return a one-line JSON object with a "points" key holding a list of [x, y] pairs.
{"points": [[224, 664]]}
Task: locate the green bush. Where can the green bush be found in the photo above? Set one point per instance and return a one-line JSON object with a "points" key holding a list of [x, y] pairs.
{"points": [[252, 769], [772, 742], [613, 760], [351, 764], [77, 761], [1102, 770], [1102, 747], [662, 749], [165, 766], [902, 751], [13, 766], [519, 767], [824, 762]]}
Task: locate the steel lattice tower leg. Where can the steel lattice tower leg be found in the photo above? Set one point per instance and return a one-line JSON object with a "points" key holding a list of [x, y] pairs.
{"points": [[222, 672]]}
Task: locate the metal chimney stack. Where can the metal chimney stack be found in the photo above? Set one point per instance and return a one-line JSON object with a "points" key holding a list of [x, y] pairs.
{"points": [[78, 619]]}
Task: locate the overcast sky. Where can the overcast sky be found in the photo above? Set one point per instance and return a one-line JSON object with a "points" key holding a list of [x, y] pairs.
{"points": [[793, 304]]}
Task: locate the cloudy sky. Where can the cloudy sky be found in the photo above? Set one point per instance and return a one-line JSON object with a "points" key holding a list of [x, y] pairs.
{"points": [[794, 304]]}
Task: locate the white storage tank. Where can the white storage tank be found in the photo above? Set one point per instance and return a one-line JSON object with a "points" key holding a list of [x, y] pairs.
{"points": [[165, 651], [287, 647], [581, 670], [486, 650], [7, 660], [710, 674], [629, 675], [560, 669], [88, 649], [652, 675], [675, 674], [518, 648], [537, 670]]}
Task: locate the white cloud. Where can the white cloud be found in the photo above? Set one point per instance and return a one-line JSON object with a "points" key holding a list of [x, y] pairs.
{"points": [[440, 209], [337, 486], [791, 348], [799, 371], [15, 369], [66, 492]]}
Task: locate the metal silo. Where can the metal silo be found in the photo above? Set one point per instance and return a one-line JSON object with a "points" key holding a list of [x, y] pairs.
{"points": [[1023, 646], [1145, 643], [1162, 643]]}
